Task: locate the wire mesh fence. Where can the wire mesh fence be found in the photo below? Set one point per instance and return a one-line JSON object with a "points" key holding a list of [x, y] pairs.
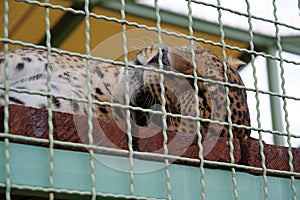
{"points": [[166, 78]]}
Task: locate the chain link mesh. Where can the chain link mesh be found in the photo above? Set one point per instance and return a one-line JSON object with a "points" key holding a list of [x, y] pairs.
{"points": [[130, 153]]}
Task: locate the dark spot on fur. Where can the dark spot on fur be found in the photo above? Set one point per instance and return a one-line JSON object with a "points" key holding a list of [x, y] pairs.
{"points": [[54, 87], [46, 66], [240, 113], [67, 73], [234, 112], [98, 91], [1, 60], [75, 106], [85, 111], [103, 110], [94, 96], [35, 77], [40, 51], [15, 100], [107, 85], [56, 102], [20, 66], [98, 72], [222, 98], [26, 59], [42, 106], [192, 126], [21, 87]]}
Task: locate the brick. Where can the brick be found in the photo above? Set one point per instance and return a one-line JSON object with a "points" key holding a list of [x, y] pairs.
{"points": [[276, 157]]}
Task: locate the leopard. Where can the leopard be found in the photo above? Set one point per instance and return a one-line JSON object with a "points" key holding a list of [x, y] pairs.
{"points": [[220, 95], [159, 79]]}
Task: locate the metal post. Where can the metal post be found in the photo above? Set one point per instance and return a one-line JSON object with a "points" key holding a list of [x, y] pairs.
{"points": [[274, 83]]}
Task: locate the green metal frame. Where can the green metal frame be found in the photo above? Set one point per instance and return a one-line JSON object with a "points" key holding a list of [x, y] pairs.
{"points": [[30, 167]]}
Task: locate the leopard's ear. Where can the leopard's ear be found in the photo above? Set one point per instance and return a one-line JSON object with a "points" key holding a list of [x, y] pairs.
{"points": [[236, 63], [145, 55]]}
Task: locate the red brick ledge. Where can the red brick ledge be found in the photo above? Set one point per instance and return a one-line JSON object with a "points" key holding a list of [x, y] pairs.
{"points": [[33, 122]]}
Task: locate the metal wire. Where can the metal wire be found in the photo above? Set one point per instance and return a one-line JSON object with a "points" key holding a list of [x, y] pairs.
{"points": [[127, 100], [201, 161], [163, 99], [6, 111], [257, 104], [49, 103], [235, 192], [286, 116], [89, 95], [197, 112]]}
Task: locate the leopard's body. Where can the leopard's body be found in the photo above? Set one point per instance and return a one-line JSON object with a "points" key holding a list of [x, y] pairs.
{"points": [[28, 70]]}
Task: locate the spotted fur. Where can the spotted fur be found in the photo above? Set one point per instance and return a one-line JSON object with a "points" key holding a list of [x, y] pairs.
{"points": [[27, 69], [180, 91]]}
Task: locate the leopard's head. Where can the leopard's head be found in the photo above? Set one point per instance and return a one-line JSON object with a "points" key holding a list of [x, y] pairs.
{"points": [[185, 98]]}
